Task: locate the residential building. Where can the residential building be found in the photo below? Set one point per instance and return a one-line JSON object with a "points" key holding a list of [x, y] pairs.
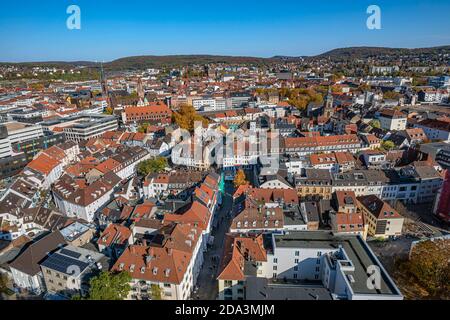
{"points": [[382, 220]]}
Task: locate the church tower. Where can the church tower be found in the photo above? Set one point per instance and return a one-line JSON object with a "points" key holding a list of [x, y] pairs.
{"points": [[328, 105], [141, 92]]}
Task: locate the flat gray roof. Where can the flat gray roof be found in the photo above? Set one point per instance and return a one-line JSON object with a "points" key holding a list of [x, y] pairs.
{"points": [[264, 289], [356, 249]]}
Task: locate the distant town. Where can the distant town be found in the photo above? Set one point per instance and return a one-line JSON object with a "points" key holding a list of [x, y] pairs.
{"points": [[227, 178]]}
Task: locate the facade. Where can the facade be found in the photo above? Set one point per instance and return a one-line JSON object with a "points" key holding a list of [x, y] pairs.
{"points": [[26, 269], [84, 201], [435, 129], [392, 120], [67, 271], [382, 220], [82, 127], [321, 144], [335, 265], [157, 113]]}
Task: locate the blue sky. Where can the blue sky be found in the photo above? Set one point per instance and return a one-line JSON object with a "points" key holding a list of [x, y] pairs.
{"points": [[36, 30]]}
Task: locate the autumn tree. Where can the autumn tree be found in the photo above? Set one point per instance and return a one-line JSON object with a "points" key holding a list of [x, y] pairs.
{"points": [[109, 111], [391, 95], [429, 263], [186, 117], [143, 128], [3, 285], [109, 286], [240, 178], [156, 165]]}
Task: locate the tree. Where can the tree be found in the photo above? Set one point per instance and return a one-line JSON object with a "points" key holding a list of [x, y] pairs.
{"points": [[387, 145], [187, 116], [143, 128], [109, 286], [3, 285], [375, 124], [109, 111], [156, 292], [156, 165], [391, 95], [240, 179], [429, 263]]}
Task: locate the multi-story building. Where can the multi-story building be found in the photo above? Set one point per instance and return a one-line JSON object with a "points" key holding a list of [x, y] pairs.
{"points": [[82, 127], [435, 129], [382, 220], [442, 203], [155, 113], [25, 268], [391, 119], [84, 200], [67, 271], [321, 144], [303, 265]]}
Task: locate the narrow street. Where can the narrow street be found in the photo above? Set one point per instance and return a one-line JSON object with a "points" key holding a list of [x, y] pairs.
{"points": [[207, 283]]}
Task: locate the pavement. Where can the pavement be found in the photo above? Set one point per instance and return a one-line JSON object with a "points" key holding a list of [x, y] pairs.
{"points": [[207, 280]]}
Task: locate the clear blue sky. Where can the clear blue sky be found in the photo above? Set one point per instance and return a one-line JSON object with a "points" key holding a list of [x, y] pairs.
{"points": [[35, 30]]}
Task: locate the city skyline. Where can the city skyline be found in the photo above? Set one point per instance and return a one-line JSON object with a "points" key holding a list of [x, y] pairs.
{"points": [[111, 30]]}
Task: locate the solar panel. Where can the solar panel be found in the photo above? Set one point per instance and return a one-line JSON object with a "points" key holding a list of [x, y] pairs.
{"points": [[69, 253], [64, 264]]}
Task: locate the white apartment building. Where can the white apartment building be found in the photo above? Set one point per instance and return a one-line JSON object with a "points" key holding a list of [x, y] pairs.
{"points": [[18, 132], [392, 120], [83, 127], [340, 263]]}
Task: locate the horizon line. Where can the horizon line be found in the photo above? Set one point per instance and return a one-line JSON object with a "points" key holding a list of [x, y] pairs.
{"points": [[222, 55]]}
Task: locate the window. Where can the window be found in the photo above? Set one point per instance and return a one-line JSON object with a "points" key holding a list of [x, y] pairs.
{"points": [[297, 253], [228, 283], [296, 261], [275, 260], [295, 276], [274, 268]]}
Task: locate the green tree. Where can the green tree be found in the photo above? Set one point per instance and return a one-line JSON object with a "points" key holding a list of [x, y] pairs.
{"points": [[387, 145], [375, 124], [187, 116], [156, 292], [109, 286], [156, 165]]}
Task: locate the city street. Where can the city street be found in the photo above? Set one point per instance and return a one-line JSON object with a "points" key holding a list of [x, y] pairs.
{"points": [[207, 283]]}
